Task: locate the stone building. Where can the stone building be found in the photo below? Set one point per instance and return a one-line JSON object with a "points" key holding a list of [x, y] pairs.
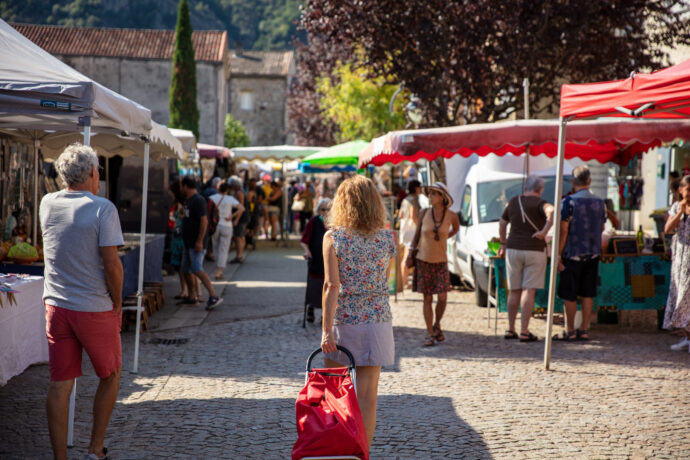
{"points": [[137, 63], [259, 83]]}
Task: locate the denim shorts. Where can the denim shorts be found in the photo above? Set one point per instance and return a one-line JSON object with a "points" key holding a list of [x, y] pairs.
{"points": [[192, 261]]}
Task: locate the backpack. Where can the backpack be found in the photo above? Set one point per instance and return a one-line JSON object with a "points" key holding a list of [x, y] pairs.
{"points": [[213, 215]]}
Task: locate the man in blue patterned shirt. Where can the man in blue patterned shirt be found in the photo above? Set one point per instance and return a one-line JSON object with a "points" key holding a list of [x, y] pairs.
{"points": [[582, 220]]}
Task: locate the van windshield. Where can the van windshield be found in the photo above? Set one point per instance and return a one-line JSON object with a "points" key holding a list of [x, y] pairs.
{"points": [[493, 197]]}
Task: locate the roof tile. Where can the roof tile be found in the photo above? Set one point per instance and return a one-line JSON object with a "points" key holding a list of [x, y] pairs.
{"points": [[209, 45]]}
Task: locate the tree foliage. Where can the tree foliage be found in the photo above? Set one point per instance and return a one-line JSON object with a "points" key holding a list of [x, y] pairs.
{"points": [[359, 105], [466, 60], [184, 112], [258, 24], [235, 134]]}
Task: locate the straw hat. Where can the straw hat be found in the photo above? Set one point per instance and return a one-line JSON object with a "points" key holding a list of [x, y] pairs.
{"points": [[442, 189]]}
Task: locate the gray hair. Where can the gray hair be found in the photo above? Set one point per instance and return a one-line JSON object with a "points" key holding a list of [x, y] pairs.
{"points": [[534, 183], [75, 163], [581, 175], [323, 202]]}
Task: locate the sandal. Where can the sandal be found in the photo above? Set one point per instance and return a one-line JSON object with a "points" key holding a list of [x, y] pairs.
{"points": [[438, 334], [529, 337], [565, 337], [510, 335], [180, 296], [429, 341], [582, 334], [219, 277]]}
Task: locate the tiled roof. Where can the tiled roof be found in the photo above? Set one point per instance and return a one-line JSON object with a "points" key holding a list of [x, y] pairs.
{"points": [[267, 63], [209, 45]]}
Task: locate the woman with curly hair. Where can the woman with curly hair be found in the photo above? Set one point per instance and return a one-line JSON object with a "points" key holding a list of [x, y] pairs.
{"points": [[357, 255]]}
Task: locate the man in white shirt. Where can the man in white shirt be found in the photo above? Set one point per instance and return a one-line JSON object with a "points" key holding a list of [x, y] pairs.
{"points": [[228, 209]]}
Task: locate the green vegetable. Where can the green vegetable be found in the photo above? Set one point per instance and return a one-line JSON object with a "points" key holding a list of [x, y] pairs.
{"points": [[23, 251]]}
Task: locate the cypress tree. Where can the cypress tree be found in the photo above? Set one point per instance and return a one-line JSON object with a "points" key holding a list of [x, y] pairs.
{"points": [[184, 113]]}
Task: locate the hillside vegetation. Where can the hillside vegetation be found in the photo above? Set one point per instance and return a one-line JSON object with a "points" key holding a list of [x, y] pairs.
{"points": [[257, 24]]}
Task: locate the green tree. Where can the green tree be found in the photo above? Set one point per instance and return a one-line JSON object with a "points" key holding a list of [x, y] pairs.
{"points": [[235, 135], [184, 112], [358, 105]]}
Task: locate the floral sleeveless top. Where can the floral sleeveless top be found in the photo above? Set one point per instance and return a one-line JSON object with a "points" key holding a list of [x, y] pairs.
{"points": [[362, 264]]}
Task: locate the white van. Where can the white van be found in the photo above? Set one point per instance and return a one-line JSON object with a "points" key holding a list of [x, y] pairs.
{"points": [[481, 188]]}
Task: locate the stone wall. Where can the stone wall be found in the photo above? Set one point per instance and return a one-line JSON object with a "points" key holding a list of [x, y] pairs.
{"points": [[147, 82], [264, 120]]}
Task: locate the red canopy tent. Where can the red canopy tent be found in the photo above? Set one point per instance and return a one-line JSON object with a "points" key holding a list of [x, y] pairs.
{"points": [[664, 94], [604, 140], [213, 151]]}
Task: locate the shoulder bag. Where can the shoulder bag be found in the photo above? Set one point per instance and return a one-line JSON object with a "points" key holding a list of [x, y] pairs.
{"points": [[412, 256]]}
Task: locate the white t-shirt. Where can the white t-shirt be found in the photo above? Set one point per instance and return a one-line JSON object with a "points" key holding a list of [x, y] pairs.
{"points": [[75, 225], [225, 204]]}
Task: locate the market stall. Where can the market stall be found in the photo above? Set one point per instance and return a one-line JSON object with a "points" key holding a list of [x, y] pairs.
{"points": [[661, 95], [215, 160], [604, 140], [23, 339]]}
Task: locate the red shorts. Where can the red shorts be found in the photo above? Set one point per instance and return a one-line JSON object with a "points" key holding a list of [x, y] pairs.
{"points": [[71, 331]]}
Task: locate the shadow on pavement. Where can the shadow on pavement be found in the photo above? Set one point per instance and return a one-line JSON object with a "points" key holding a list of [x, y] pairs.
{"points": [[609, 345]]}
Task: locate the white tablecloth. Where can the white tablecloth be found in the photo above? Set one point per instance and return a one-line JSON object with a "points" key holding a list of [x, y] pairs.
{"points": [[22, 327]]}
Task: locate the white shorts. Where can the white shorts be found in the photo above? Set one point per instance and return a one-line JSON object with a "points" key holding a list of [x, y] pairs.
{"points": [[525, 269]]}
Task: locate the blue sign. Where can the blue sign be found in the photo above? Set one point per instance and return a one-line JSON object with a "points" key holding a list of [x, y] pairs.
{"points": [[56, 105]]}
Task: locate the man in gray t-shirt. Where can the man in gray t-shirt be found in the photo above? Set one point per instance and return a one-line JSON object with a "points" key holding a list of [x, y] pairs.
{"points": [[82, 293]]}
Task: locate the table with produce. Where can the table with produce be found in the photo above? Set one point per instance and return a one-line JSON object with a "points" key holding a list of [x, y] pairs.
{"points": [[26, 259]]}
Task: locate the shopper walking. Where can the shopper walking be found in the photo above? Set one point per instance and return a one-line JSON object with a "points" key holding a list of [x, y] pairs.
{"points": [[307, 211], [356, 314], [530, 218], [229, 209], [239, 224], [583, 218], [677, 316], [312, 243], [409, 216], [194, 235], [82, 294], [431, 275]]}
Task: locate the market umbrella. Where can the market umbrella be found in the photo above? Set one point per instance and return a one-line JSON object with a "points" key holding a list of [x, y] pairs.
{"points": [[341, 154], [274, 152], [659, 95]]}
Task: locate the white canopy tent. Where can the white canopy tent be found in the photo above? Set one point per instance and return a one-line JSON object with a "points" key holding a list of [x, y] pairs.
{"points": [[40, 97], [39, 91]]}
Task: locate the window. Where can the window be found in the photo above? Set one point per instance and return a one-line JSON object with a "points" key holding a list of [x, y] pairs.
{"points": [[246, 100], [466, 209]]}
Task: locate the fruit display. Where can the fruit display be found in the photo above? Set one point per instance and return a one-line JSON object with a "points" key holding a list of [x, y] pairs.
{"points": [[23, 252]]}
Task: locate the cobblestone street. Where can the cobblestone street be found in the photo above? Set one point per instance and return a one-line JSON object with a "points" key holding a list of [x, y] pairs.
{"points": [[229, 391]]}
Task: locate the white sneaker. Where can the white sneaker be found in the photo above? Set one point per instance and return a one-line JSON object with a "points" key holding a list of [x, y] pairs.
{"points": [[681, 345]]}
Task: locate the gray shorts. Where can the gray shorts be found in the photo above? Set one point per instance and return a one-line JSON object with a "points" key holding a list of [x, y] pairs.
{"points": [[371, 344], [525, 269]]}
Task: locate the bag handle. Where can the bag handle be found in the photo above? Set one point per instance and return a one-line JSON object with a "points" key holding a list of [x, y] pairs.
{"points": [[418, 231], [350, 367]]}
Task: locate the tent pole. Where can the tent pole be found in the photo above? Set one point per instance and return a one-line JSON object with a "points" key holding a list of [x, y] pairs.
{"points": [[555, 242], [283, 218], [37, 145], [84, 122], [142, 253]]}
